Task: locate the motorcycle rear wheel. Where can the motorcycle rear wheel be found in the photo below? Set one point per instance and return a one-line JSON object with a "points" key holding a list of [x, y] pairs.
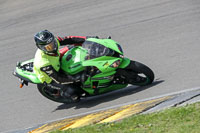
{"points": [[44, 91]]}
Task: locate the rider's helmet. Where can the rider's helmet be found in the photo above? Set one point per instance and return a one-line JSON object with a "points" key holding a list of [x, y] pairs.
{"points": [[46, 41]]}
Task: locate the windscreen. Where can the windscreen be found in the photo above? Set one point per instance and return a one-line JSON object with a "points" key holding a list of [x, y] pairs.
{"points": [[96, 50]]}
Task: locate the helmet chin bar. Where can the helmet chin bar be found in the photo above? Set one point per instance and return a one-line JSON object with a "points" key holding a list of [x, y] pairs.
{"points": [[51, 53]]}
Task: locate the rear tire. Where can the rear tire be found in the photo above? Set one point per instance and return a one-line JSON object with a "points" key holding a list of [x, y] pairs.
{"points": [[44, 91]]}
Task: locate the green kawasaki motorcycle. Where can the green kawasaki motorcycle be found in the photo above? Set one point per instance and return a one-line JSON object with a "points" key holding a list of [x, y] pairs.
{"points": [[103, 68]]}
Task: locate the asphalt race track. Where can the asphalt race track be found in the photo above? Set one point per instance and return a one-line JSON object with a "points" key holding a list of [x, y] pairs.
{"points": [[163, 34]]}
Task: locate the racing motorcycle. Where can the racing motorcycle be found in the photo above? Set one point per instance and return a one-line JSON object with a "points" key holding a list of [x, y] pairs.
{"points": [[102, 64]]}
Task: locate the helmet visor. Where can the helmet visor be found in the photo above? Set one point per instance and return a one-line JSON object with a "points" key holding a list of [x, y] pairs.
{"points": [[50, 47]]}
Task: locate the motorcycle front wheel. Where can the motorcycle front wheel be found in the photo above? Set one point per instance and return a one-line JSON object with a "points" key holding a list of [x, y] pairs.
{"points": [[139, 74]]}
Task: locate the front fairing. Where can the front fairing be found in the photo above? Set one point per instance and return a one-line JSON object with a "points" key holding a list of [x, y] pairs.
{"points": [[103, 63], [109, 43], [76, 60]]}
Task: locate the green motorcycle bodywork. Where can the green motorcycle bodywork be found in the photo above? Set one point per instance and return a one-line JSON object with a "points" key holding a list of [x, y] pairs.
{"points": [[74, 61], [22, 72]]}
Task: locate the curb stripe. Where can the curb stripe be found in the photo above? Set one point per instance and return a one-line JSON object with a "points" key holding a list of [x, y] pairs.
{"points": [[106, 116], [134, 109], [94, 118]]}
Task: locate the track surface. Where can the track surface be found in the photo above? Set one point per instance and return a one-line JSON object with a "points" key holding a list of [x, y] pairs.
{"points": [[164, 35]]}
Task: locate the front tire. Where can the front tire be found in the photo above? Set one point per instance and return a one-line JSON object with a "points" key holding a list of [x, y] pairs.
{"points": [[139, 74]]}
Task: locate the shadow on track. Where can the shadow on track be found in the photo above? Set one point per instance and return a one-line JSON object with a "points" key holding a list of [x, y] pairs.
{"points": [[95, 100]]}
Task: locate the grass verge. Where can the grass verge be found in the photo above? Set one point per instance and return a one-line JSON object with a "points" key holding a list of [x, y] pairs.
{"points": [[174, 120]]}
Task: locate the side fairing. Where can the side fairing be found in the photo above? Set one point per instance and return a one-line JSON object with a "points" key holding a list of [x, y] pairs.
{"points": [[101, 82]]}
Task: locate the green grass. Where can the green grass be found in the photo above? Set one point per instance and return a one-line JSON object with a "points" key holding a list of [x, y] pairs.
{"points": [[174, 120]]}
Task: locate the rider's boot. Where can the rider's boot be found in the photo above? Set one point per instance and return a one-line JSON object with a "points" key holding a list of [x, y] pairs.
{"points": [[74, 78], [69, 91]]}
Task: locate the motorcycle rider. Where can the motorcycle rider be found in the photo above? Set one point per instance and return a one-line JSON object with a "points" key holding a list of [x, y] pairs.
{"points": [[47, 62]]}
